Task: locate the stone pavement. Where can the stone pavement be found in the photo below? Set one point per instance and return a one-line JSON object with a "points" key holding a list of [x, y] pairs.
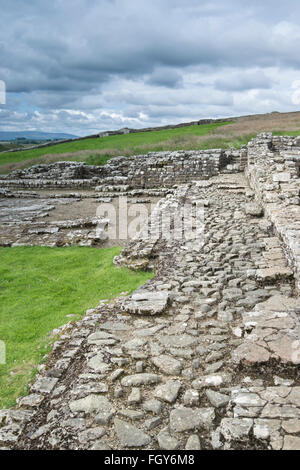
{"points": [[168, 368]]}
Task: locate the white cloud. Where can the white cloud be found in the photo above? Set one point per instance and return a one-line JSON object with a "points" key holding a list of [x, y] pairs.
{"points": [[295, 96]]}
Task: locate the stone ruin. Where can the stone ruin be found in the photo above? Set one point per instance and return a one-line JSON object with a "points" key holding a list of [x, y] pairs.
{"points": [[206, 354]]}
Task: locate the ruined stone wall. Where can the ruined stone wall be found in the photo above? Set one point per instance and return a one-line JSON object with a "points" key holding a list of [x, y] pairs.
{"points": [[156, 169], [274, 174]]}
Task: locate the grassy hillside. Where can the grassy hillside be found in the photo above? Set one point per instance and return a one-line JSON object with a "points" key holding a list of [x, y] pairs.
{"points": [[39, 287], [98, 151]]}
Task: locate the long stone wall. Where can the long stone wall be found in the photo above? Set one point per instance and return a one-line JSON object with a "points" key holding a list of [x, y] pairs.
{"points": [[273, 171], [156, 169]]}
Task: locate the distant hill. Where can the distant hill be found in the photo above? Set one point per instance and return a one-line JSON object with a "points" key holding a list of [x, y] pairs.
{"points": [[34, 135]]}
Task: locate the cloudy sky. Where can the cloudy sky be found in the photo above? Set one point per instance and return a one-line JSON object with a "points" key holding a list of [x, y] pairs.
{"points": [[81, 66]]}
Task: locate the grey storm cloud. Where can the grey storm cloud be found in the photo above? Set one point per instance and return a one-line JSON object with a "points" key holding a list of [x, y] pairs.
{"points": [[104, 61], [241, 81]]}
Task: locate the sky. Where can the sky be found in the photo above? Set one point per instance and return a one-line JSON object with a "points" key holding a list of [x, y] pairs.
{"points": [[84, 66]]}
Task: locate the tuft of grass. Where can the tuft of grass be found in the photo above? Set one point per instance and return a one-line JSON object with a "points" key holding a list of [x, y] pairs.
{"points": [[39, 287]]}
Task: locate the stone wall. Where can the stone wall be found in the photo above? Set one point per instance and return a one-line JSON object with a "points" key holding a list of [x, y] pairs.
{"points": [[156, 169], [273, 171]]}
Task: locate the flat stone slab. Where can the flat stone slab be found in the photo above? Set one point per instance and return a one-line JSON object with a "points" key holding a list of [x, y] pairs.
{"points": [[275, 335], [167, 364], [31, 401], [168, 392], [193, 443], [114, 326], [91, 403], [166, 441], [236, 428], [217, 399], [129, 435], [178, 341], [187, 419], [101, 338], [253, 209], [44, 385], [98, 365], [146, 303], [274, 273]]}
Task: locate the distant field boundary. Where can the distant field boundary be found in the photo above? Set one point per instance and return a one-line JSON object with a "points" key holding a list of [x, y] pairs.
{"points": [[125, 130]]}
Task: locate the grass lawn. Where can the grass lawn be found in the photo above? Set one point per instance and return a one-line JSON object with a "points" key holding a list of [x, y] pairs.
{"points": [[39, 287], [135, 143]]}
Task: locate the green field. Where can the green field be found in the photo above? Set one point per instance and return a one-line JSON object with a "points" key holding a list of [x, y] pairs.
{"points": [[39, 287], [97, 151], [114, 145]]}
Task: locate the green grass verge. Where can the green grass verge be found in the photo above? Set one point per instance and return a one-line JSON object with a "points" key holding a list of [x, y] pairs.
{"points": [[39, 287], [291, 133], [134, 142]]}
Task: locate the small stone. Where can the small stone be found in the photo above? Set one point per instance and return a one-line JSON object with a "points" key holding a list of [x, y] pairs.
{"points": [[168, 392], [167, 364], [44, 385], [31, 401], [152, 423], [115, 375], [52, 415], [140, 379], [103, 417], [139, 367], [191, 398], [90, 403], [166, 441], [208, 381], [188, 374], [134, 344], [214, 356], [74, 423], [178, 341], [232, 294], [146, 303], [193, 443], [129, 435], [196, 363], [291, 426], [253, 209], [217, 399], [212, 368], [42, 430], [281, 381], [153, 405], [132, 414], [236, 428], [261, 431], [216, 439], [118, 392], [96, 363], [100, 338], [91, 435], [135, 396], [100, 445], [186, 419], [291, 443]]}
